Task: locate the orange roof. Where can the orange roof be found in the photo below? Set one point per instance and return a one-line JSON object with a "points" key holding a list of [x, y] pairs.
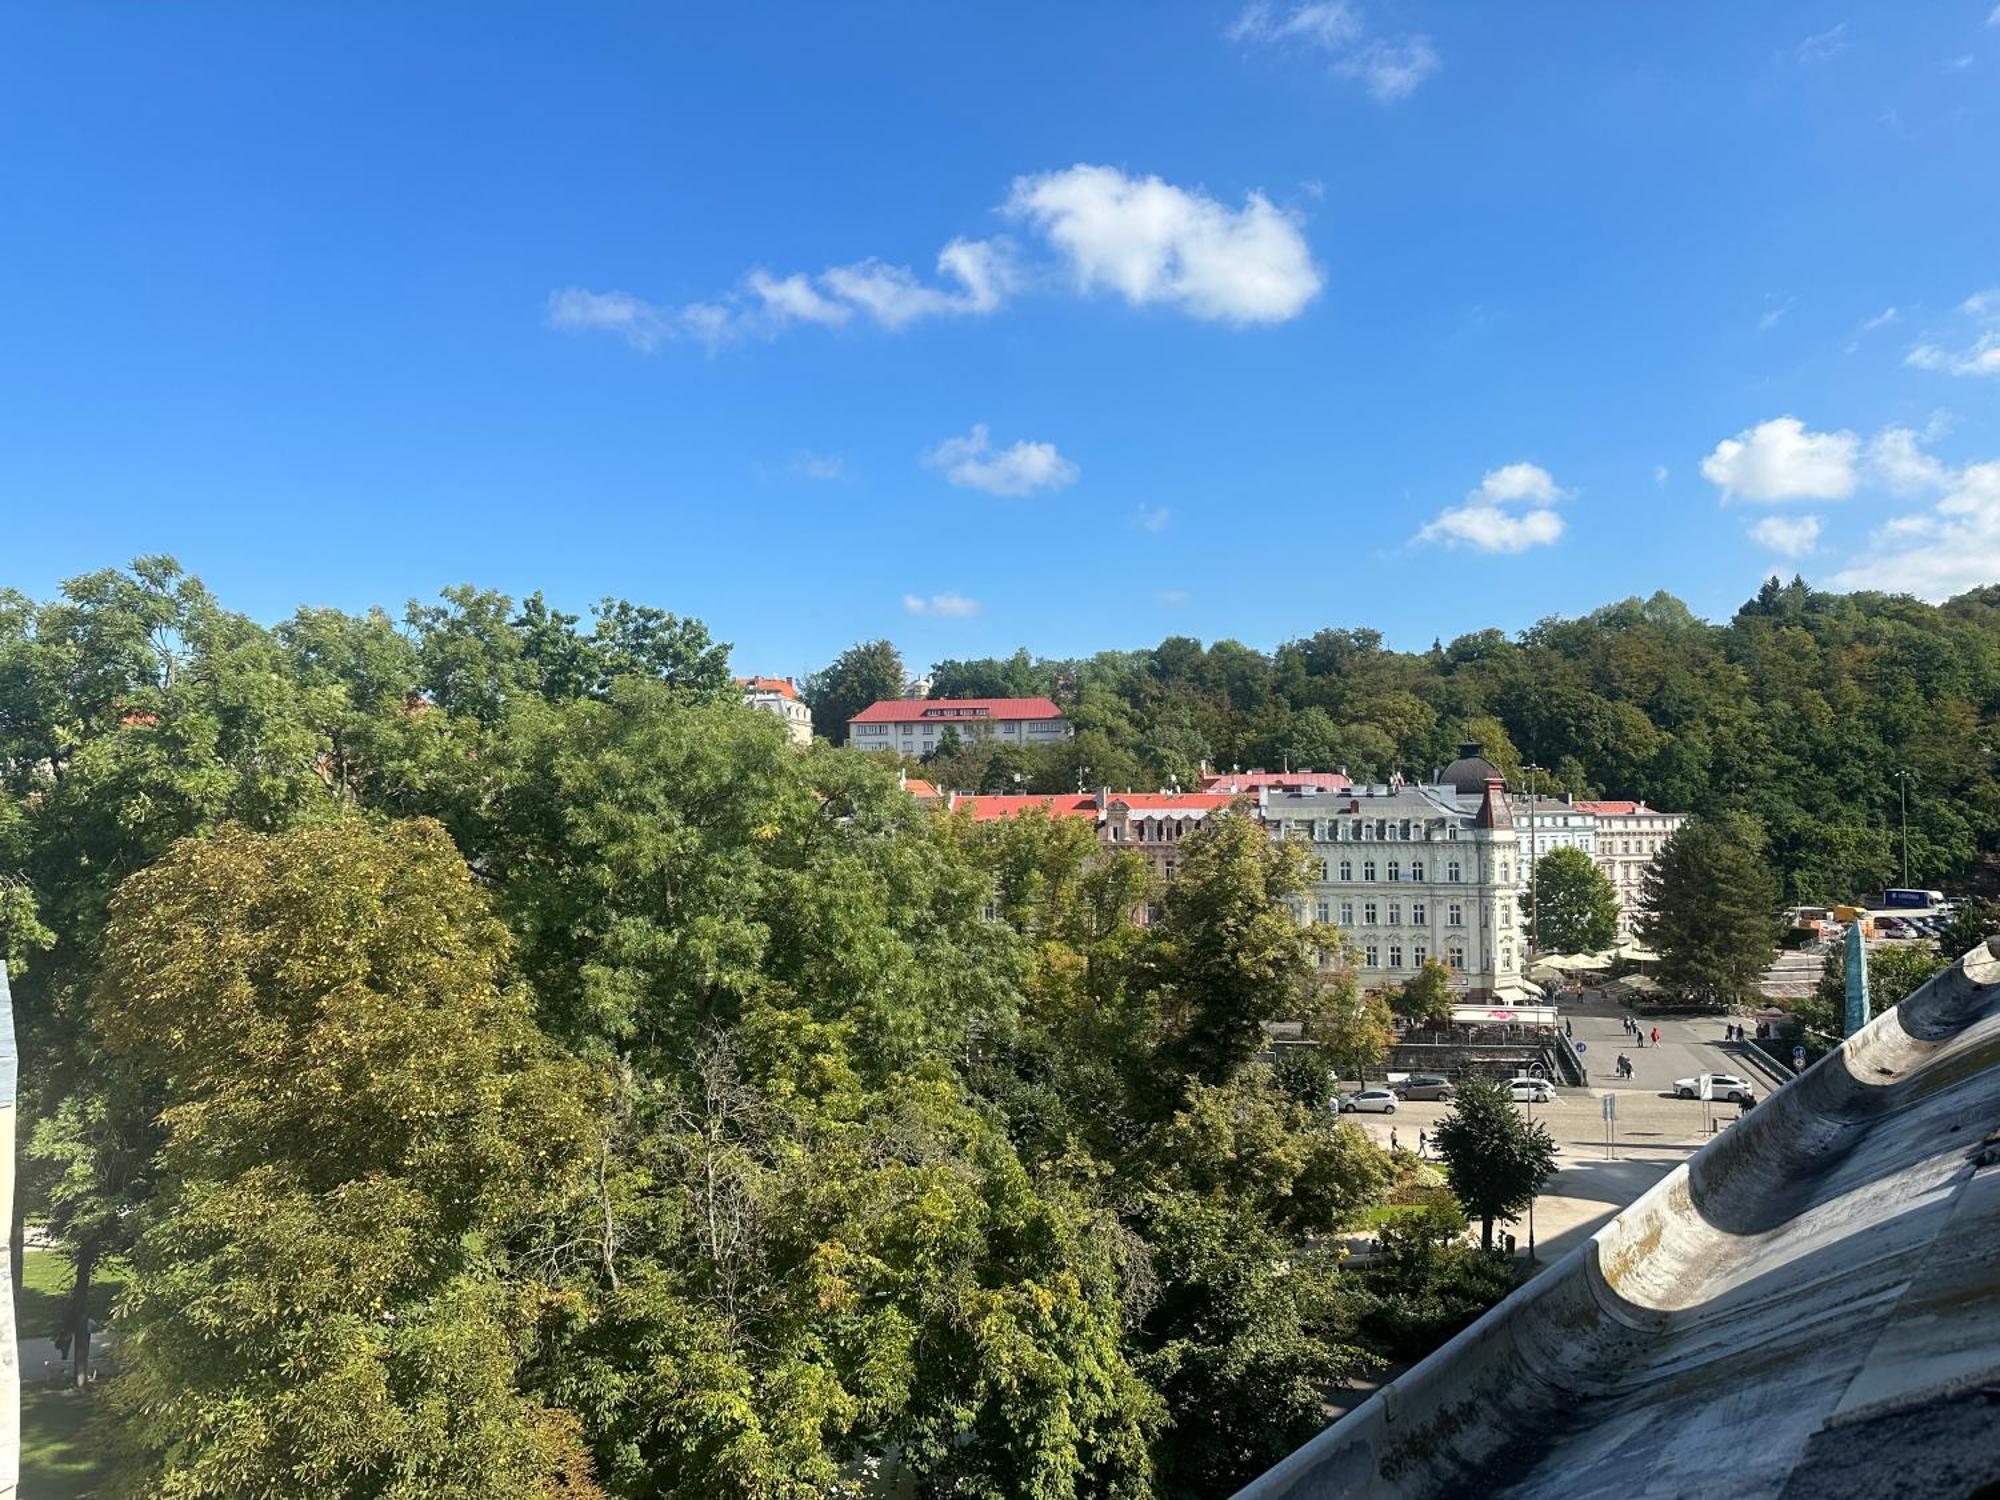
{"points": [[782, 686], [1611, 809], [919, 788], [988, 809], [945, 710]]}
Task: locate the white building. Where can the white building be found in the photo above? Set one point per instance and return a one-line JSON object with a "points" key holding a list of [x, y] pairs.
{"points": [[1629, 836], [780, 696], [915, 725], [1413, 872]]}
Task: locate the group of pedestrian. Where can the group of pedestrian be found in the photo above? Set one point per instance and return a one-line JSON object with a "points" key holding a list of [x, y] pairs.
{"points": [[1731, 1032], [1638, 1033]]}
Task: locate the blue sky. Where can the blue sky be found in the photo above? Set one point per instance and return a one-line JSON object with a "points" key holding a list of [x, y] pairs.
{"points": [[1065, 326]]}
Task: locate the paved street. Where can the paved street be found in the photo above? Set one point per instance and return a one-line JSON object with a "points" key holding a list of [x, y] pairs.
{"points": [[1654, 1133]]}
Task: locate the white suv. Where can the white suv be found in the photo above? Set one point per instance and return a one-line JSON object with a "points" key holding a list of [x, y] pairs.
{"points": [[1724, 1086], [1532, 1090]]}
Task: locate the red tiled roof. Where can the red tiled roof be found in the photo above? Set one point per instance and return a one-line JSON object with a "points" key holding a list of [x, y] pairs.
{"points": [[1611, 809], [988, 809], [1249, 781], [945, 710], [782, 686], [920, 789]]}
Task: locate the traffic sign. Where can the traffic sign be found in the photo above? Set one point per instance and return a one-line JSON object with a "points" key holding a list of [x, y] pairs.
{"points": [[1582, 1047], [1799, 1059], [1610, 1108]]}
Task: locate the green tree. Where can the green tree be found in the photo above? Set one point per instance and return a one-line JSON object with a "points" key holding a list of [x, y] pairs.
{"points": [[864, 673], [1498, 1160], [1895, 971], [1426, 997], [1226, 954], [1576, 904], [359, 1118], [1709, 907]]}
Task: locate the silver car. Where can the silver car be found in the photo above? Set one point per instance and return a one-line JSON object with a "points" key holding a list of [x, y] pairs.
{"points": [[1369, 1102], [1724, 1086]]}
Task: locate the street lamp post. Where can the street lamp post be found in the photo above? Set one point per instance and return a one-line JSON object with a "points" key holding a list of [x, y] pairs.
{"points": [[1903, 802], [1534, 880]]}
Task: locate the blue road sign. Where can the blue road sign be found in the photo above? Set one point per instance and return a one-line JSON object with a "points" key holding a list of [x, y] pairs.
{"points": [[1583, 1046], [1799, 1058]]}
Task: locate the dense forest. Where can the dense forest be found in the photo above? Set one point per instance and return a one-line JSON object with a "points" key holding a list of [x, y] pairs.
{"points": [[507, 1067], [1815, 713]]}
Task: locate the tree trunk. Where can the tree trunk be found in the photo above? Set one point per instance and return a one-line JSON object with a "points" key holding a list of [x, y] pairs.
{"points": [[1486, 1232], [79, 1318], [17, 1243]]}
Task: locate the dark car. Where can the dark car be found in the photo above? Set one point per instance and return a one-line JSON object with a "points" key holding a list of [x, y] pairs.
{"points": [[1425, 1086]]}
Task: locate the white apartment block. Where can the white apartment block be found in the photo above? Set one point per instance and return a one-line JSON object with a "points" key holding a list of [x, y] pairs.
{"points": [[1413, 872], [1629, 836], [914, 726]]}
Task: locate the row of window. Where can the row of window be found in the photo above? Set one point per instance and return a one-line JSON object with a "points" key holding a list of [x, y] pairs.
{"points": [[1453, 871], [1454, 913], [1366, 830], [1419, 955]]}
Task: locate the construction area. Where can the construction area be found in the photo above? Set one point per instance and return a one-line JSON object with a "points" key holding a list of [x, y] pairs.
{"points": [[1807, 1307]]}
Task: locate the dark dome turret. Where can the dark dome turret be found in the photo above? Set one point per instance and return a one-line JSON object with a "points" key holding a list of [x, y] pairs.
{"points": [[1470, 772]]}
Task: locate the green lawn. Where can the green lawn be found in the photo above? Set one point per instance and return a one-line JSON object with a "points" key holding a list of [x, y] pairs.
{"points": [[45, 1282], [58, 1461]]}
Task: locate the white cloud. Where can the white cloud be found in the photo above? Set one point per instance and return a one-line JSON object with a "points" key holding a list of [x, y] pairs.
{"points": [[1773, 315], [1882, 319], [1152, 242], [1954, 548], [1994, 18], [792, 298], [1901, 466], [1519, 481], [945, 606], [1793, 536], [1018, 470], [1144, 238], [1154, 518], [1390, 68], [1486, 524], [1488, 528], [820, 466], [1780, 460], [1661, 474], [1173, 598]]}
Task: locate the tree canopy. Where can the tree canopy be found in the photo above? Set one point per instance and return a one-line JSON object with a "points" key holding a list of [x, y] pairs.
{"points": [[1576, 906]]}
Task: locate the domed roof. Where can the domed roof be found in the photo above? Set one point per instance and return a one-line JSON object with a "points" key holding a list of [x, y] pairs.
{"points": [[1470, 772]]}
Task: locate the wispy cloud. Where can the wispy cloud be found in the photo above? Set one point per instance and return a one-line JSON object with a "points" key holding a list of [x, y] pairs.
{"points": [[1981, 356], [1509, 512], [1773, 315], [1153, 518], [1021, 469], [1391, 68], [1792, 536], [821, 466], [1661, 474], [1173, 598], [1094, 228], [944, 606], [1882, 319], [1823, 44]]}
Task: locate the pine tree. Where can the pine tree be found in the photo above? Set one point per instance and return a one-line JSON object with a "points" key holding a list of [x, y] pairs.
{"points": [[1709, 908]]}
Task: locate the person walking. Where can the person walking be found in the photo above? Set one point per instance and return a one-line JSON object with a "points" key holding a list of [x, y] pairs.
{"points": [[1423, 1145], [1656, 1036], [1394, 1144]]}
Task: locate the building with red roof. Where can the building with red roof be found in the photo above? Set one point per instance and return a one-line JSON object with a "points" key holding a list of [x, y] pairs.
{"points": [[913, 726]]}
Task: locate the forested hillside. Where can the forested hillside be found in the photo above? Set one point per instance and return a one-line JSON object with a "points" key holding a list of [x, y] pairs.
{"points": [[508, 1067], [1802, 710]]}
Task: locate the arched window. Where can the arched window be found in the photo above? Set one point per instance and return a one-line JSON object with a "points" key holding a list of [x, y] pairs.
{"points": [[1416, 869], [1368, 869], [1395, 869], [1347, 869]]}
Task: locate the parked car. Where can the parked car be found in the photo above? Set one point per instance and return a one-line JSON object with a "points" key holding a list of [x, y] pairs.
{"points": [[1425, 1086], [1532, 1090], [1725, 1086], [1369, 1102]]}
